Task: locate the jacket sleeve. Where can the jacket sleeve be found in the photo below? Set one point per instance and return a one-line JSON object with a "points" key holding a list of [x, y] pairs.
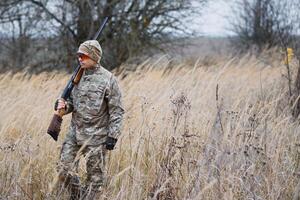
{"points": [[115, 109]]}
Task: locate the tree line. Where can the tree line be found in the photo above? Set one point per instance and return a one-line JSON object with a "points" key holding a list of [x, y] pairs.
{"points": [[44, 34]]}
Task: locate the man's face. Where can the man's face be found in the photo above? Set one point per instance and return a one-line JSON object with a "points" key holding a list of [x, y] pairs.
{"points": [[85, 61]]}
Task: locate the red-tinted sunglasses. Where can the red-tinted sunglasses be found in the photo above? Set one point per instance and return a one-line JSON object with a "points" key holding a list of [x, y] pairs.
{"points": [[83, 56]]}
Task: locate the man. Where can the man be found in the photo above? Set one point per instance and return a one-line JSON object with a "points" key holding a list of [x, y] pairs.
{"points": [[97, 115]]}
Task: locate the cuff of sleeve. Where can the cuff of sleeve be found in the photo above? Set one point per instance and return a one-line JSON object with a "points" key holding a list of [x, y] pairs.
{"points": [[69, 108], [114, 135]]}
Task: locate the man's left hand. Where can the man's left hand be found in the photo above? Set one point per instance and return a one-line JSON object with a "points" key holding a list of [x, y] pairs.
{"points": [[110, 143]]}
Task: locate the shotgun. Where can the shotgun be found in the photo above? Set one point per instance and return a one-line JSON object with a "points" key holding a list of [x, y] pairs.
{"points": [[55, 125]]}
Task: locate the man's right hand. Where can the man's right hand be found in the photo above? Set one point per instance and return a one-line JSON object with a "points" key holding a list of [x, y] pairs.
{"points": [[60, 107]]}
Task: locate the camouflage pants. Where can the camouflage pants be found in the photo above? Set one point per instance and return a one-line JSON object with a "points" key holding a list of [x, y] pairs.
{"points": [[95, 156]]}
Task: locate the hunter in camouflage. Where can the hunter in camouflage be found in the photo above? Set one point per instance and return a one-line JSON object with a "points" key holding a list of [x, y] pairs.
{"points": [[97, 114]]}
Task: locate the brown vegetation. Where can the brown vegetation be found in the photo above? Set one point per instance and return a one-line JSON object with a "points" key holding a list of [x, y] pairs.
{"points": [[197, 132]]}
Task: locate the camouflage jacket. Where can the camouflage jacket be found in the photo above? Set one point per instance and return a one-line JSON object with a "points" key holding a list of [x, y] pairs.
{"points": [[96, 107]]}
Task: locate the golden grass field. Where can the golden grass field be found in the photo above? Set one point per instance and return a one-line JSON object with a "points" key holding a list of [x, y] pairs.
{"points": [[190, 132]]}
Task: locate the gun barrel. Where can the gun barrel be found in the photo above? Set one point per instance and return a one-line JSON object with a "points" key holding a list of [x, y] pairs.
{"points": [[101, 28]]}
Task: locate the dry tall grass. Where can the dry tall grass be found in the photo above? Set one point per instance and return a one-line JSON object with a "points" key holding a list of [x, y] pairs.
{"points": [[193, 132]]}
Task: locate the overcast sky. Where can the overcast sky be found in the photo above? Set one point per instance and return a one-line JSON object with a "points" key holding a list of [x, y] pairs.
{"points": [[214, 21]]}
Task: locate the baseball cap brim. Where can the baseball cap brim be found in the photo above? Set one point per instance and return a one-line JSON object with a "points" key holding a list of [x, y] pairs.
{"points": [[82, 52]]}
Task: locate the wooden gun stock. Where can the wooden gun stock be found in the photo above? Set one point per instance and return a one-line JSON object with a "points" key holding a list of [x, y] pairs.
{"points": [[78, 76]]}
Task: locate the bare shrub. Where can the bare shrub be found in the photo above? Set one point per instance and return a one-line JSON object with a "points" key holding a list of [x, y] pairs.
{"points": [[264, 23]]}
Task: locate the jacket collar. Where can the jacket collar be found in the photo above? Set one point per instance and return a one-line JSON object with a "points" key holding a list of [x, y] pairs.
{"points": [[93, 70]]}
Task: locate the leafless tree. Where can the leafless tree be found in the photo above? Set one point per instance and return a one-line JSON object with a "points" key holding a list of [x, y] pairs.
{"points": [[264, 23], [17, 43]]}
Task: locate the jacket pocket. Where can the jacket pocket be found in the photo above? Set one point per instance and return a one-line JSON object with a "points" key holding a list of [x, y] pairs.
{"points": [[94, 100]]}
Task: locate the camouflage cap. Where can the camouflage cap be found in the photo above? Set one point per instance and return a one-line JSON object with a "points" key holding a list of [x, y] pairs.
{"points": [[92, 49]]}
